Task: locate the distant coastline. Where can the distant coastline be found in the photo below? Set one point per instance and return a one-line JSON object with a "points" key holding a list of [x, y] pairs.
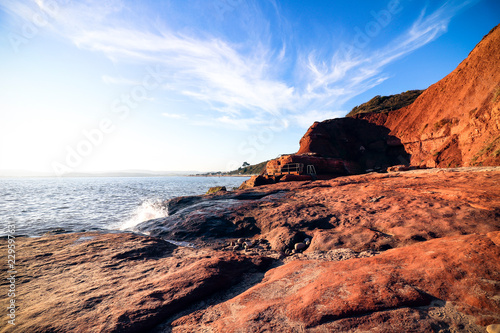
{"points": [[222, 175]]}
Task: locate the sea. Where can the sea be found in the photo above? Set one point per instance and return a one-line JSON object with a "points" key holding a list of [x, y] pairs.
{"points": [[34, 206]]}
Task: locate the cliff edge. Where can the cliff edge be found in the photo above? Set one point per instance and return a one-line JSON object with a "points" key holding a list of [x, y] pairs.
{"points": [[456, 121]]}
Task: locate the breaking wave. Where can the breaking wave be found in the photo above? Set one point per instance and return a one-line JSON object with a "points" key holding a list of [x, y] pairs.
{"points": [[148, 210]]}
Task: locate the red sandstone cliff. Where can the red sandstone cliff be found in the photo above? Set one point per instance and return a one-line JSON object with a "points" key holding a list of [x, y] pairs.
{"points": [[455, 122]]}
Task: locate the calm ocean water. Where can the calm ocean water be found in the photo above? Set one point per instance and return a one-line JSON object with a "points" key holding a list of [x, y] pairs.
{"points": [[38, 205]]}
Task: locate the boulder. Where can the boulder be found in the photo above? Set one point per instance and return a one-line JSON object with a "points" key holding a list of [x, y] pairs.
{"points": [[257, 181], [216, 189]]}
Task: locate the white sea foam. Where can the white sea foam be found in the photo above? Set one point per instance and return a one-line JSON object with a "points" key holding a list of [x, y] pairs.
{"points": [[148, 210]]}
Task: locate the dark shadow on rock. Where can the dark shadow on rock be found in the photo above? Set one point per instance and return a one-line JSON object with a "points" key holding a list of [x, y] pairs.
{"points": [[365, 144], [153, 249]]}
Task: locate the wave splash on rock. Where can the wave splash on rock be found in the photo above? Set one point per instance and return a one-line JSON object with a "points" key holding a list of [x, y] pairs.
{"points": [[147, 210]]}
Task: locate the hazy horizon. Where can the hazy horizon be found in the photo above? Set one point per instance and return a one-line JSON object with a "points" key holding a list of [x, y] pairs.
{"points": [[99, 87], [112, 173]]}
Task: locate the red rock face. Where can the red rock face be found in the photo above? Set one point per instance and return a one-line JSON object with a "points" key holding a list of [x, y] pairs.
{"points": [[345, 146], [455, 122], [360, 145]]}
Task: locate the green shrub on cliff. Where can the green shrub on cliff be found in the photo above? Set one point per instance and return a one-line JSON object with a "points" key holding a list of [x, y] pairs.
{"points": [[386, 103], [255, 169]]}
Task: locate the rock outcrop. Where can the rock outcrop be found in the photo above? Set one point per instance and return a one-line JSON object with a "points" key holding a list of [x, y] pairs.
{"points": [[455, 122], [338, 147], [359, 144]]}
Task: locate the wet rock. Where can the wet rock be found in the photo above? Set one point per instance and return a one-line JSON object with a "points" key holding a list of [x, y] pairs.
{"points": [[55, 231], [203, 218]]}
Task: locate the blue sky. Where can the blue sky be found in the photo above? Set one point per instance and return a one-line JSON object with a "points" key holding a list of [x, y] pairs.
{"points": [[92, 86]]}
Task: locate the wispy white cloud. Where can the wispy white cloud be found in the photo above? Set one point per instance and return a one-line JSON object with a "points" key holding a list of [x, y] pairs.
{"points": [[239, 123], [173, 115], [243, 80], [228, 122], [119, 81], [354, 69]]}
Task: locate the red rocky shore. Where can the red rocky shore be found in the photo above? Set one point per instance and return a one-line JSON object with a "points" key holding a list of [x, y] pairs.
{"points": [[414, 251]]}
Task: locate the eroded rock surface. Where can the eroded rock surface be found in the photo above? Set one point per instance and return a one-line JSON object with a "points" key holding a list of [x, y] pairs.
{"points": [[405, 251], [396, 291], [363, 212], [93, 282]]}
